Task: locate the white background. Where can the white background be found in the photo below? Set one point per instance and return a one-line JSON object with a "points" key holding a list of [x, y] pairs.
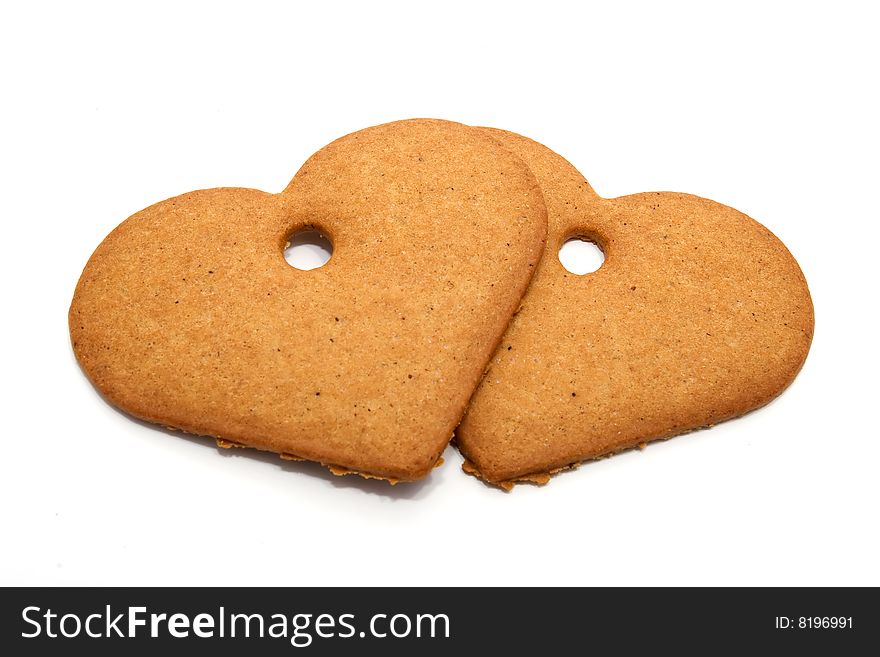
{"points": [[769, 107]]}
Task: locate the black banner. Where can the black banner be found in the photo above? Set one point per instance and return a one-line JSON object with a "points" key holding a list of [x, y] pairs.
{"points": [[425, 621]]}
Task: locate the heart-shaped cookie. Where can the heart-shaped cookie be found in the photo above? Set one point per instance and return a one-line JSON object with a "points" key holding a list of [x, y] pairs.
{"points": [[188, 315], [698, 314]]}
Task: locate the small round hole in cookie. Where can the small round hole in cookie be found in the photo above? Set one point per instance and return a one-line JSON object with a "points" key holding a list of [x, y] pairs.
{"points": [[308, 249], [581, 255]]}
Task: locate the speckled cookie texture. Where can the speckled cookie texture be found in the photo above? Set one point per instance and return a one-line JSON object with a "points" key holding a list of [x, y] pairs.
{"points": [[698, 314], [188, 315]]}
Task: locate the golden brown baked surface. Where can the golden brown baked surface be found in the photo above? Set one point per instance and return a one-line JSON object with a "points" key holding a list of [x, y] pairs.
{"points": [[698, 314], [188, 315]]}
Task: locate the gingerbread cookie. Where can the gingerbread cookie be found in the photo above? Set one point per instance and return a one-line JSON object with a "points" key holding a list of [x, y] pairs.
{"points": [[698, 314], [188, 315]]}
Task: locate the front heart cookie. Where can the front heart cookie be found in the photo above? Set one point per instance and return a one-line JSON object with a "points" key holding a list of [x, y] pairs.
{"points": [[698, 314], [188, 315]]}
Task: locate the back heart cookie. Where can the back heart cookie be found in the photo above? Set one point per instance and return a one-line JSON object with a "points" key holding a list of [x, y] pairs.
{"points": [[698, 314], [188, 315]]}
